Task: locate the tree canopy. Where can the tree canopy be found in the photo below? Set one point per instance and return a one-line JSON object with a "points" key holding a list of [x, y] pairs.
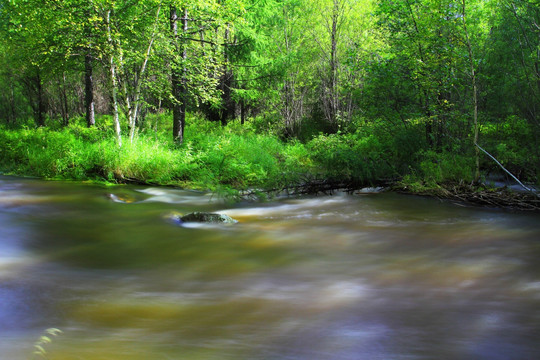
{"points": [[459, 72]]}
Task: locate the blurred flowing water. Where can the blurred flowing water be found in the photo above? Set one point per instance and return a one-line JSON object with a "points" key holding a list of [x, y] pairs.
{"points": [[377, 276]]}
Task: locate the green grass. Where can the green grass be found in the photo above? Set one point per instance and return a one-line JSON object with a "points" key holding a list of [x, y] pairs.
{"points": [[236, 158], [213, 158]]}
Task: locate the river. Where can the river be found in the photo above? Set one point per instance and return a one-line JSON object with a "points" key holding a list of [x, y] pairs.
{"points": [[372, 276]]}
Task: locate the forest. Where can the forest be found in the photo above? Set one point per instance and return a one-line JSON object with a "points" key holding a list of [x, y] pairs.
{"points": [[258, 96]]}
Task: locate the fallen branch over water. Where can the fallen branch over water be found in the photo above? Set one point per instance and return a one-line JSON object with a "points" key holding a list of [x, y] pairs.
{"points": [[505, 170], [492, 197], [311, 185]]}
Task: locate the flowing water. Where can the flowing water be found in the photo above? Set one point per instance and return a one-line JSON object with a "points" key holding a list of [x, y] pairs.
{"points": [[376, 276]]}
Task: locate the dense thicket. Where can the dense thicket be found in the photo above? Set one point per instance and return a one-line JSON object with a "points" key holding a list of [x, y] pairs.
{"points": [[375, 90]]}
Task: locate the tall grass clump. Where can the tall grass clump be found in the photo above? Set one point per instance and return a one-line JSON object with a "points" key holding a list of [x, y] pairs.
{"points": [[241, 159], [437, 170], [369, 154], [145, 160], [213, 157], [49, 154]]}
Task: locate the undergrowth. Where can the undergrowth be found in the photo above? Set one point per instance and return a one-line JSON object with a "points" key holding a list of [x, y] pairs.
{"points": [[232, 159], [212, 157]]}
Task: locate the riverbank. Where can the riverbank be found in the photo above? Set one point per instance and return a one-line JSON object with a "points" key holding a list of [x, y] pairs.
{"points": [[220, 160], [229, 161], [243, 161], [467, 195]]}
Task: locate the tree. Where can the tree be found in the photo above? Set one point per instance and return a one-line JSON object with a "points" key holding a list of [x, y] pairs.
{"points": [[178, 75], [25, 24], [464, 18], [114, 81], [196, 70]]}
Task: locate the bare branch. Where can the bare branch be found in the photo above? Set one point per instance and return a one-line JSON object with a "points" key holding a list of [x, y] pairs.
{"points": [[508, 172]]}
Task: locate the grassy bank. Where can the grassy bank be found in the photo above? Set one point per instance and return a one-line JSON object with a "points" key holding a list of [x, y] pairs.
{"points": [[228, 160], [238, 158], [214, 158]]}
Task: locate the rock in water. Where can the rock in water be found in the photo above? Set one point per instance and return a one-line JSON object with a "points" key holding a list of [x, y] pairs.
{"points": [[206, 217]]}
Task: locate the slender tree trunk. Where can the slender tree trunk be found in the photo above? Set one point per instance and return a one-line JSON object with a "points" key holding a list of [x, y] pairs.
{"points": [[89, 91], [64, 102], [333, 65], [12, 115], [128, 109], [287, 94], [535, 90], [429, 120], [183, 88], [138, 87], [425, 102], [226, 82], [242, 111], [117, 128], [40, 118], [330, 97], [537, 68], [475, 94], [292, 109], [178, 79], [114, 83], [203, 49]]}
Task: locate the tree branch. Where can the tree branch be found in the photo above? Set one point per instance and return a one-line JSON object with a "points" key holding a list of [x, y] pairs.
{"points": [[508, 172]]}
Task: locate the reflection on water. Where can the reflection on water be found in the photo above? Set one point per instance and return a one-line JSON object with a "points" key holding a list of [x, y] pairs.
{"points": [[372, 276]]}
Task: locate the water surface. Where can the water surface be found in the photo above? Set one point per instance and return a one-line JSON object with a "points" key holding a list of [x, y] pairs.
{"points": [[377, 276]]}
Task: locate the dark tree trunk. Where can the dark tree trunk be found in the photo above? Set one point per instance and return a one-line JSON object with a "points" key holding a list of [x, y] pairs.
{"points": [[178, 79], [64, 102], [226, 84], [242, 111], [474, 93], [330, 96], [429, 120], [40, 118], [227, 112], [12, 115], [89, 91]]}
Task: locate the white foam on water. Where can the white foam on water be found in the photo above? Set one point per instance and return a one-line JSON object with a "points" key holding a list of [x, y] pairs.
{"points": [[260, 211], [370, 190], [153, 191], [327, 294], [531, 288], [11, 265], [14, 199], [201, 225], [295, 209], [342, 292], [172, 196]]}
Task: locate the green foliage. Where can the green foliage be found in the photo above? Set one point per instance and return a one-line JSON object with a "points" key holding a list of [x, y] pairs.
{"points": [[446, 167], [242, 159], [435, 171], [214, 158], [353, 159], [362, 91], [505, 141]]}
